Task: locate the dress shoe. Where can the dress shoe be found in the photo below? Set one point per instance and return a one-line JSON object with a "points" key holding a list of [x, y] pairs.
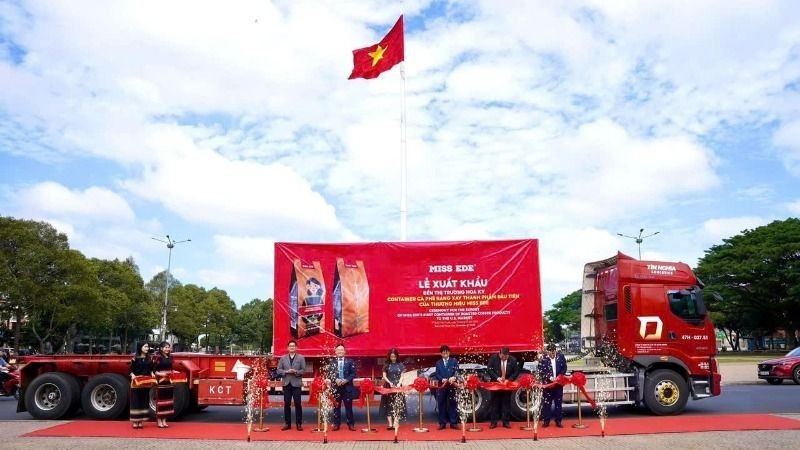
{"points": [[442, 427], [558, 424], [351, 427], [390, 428], [286, 427], [336, 428], [545, 424], [506, 425], [492, 425], [299, 427], [453, 426]]}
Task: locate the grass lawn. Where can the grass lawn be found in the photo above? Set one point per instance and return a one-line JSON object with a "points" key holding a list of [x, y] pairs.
{"points": [[722, 358]]}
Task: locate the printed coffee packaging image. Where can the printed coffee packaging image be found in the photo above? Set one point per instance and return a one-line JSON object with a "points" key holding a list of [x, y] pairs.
{"points": [[350, 299], [306, 299]]}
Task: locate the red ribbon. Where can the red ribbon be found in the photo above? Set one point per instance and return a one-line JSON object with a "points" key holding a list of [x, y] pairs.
{"points": [[367, 388], [525, 381], [421, 384], [473, 382], [317, 387]]}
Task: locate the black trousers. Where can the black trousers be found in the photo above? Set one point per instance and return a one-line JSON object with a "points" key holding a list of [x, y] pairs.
{"points": [[343, 396], [552, 399], [446, 403], [292, 393], [501, 402]]}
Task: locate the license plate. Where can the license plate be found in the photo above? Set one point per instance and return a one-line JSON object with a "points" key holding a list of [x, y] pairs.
{"points": [[763, 372]]}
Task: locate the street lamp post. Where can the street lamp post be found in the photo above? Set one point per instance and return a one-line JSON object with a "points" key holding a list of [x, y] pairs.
{"points": [[639, 239], [170, 245]]}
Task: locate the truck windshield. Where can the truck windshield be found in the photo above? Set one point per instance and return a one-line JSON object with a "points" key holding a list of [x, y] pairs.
{"points": [[687, 304]]}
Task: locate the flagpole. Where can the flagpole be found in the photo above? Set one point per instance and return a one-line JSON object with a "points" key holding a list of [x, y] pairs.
{"points": [[403, 161]]}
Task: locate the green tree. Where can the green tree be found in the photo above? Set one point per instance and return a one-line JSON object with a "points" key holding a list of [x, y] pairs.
{"points": [[757, 272], [50, 288], [566, 311], [132, 311], [220, 315], [254, 324], [185, 317]]}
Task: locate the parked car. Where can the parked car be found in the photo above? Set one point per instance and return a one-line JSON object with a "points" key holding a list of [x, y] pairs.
{"points": [[779, 369]]}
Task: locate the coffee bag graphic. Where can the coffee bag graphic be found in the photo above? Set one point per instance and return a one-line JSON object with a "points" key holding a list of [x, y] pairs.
{"points": [[350, 299], [306, 299]]}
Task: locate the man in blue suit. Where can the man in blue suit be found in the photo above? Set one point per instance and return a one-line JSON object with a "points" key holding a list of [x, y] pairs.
{"points": [[552, 365], [446, 369], [341, 372]]}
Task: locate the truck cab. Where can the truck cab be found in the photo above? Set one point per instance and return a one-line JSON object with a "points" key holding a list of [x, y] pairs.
{"points": [[648, 318]]}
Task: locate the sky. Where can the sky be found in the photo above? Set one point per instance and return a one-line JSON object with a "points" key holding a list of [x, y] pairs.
{"points": [[233, 124]]}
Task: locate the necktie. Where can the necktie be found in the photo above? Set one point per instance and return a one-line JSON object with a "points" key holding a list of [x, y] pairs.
{"points": [[341, 368], [502, 369]]}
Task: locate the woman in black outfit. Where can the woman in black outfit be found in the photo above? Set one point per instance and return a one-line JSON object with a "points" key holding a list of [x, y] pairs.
{"points": [[162, 362], [392, 369], [141, 366]]}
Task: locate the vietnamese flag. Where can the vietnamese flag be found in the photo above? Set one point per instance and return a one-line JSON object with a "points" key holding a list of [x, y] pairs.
{"points": [[369, 62]]}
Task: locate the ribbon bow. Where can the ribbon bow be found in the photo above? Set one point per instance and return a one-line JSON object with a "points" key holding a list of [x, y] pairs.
{"points": [[367, 389]]}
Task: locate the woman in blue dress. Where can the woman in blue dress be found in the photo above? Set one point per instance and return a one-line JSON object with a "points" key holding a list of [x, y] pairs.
{"points": [[393, 406]]}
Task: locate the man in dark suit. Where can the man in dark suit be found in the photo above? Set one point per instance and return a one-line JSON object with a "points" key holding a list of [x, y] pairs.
{"points": [[291, 367], [341, 372], [445, 375], [552, 365], [502, 367]]}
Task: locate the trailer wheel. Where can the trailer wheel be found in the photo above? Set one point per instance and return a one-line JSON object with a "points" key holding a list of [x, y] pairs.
{"points": [[774, 381], [483, 404], [665, 392], [181, 400], [518, 399], [105, 396], [52, 395]]}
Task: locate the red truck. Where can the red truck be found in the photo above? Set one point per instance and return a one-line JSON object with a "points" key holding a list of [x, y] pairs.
{"points": [[475, 296], [647, 319]]}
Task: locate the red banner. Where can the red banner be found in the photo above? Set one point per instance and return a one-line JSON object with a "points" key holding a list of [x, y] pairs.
{"points": [[475, 296]]}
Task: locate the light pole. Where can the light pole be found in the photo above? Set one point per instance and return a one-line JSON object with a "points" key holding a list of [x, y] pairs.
{"points": [[170, 245], [639, 239]]}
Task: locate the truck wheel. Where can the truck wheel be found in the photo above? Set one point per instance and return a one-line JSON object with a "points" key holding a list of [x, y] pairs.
{"points": [[483, 404], [52, 395], [181, 399], [774, 381], [518, 399], [665, 392], [105, 396], [796, 375]]}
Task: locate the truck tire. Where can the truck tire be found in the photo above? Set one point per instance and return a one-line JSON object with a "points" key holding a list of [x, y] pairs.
{"points": [[665, 392], [52, 396], [774, 381], [181, 400], [105, 396], [796, 374], [518, 399], [483, 405]]}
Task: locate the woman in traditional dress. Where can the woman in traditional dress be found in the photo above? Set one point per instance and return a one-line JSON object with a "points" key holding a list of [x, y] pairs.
{"points": [[141, 366], [393, 404], [162, 362]]}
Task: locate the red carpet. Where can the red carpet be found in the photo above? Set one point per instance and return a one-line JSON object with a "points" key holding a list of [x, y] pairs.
{"points": [[229, 431]]}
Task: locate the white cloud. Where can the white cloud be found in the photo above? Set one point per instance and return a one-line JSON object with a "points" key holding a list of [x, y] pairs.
{"points": [[715, 230], [794, 208], [787, 138], [93, 203], [555, 120]]}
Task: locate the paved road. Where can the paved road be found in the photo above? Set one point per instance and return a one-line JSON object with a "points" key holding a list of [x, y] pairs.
{"points": [[739, 398], [744, 440]]}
